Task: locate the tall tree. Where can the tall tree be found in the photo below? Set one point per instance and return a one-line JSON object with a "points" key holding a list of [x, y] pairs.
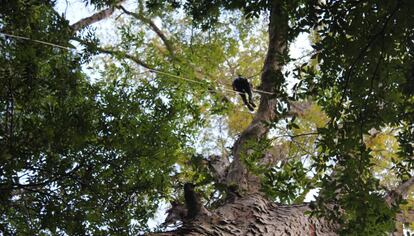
{"points": [[82, 157]]}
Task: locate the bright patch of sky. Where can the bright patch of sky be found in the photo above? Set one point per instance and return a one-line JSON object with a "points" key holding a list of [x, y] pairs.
{"points": [[298, 49]]}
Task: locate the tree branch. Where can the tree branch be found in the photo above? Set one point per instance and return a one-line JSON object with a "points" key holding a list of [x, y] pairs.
{"points": [[218, 166], [406, 216], [400, 192], [192, 201], [299, 108], [176, 213], [273, 155], [114, 52], [154, 28], [125, 55], [82, 23]]}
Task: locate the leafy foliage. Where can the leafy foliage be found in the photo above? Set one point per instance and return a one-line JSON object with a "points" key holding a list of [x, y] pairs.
{"points": [[287, 183], [364, 62], [81, 156]]}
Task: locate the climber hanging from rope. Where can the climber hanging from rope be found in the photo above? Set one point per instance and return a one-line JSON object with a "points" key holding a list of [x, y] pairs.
{"points": [[242, 86]]}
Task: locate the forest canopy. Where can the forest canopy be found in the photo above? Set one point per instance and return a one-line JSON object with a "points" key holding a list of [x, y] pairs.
{"points": [[99, 128]]}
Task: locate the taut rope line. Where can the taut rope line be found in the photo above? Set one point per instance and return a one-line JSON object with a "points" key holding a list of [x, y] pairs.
{"points": [[151, 70]]}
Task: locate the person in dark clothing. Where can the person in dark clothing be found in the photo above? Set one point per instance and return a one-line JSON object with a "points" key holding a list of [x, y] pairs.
{"points": [[243, 86]]}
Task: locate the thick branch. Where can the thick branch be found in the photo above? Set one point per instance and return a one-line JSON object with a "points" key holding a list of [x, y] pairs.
{"points": [[298, 108], [405, 217], [177, 212], [218, 166], [274, 155], [125, 55], [94, 18], [402, 218], [192, 201], [400, 192]]}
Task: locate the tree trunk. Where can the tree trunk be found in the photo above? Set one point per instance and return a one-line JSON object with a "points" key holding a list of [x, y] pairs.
{"points": [[271, 81], [255, 215]]}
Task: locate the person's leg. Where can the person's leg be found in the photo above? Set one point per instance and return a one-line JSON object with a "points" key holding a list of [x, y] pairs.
{"points": [[243, 96], [249, 92]]}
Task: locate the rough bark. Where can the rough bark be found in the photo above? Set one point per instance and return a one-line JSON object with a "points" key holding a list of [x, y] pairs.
{"points": [[253, 214], [103, 14], [400, 192], [274, 155], [401, 219], [218, 166]]}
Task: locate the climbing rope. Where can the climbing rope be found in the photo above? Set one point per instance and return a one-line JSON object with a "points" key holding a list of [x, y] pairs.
{"points": [[37, 41], [151, 70], [198, 82]]}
